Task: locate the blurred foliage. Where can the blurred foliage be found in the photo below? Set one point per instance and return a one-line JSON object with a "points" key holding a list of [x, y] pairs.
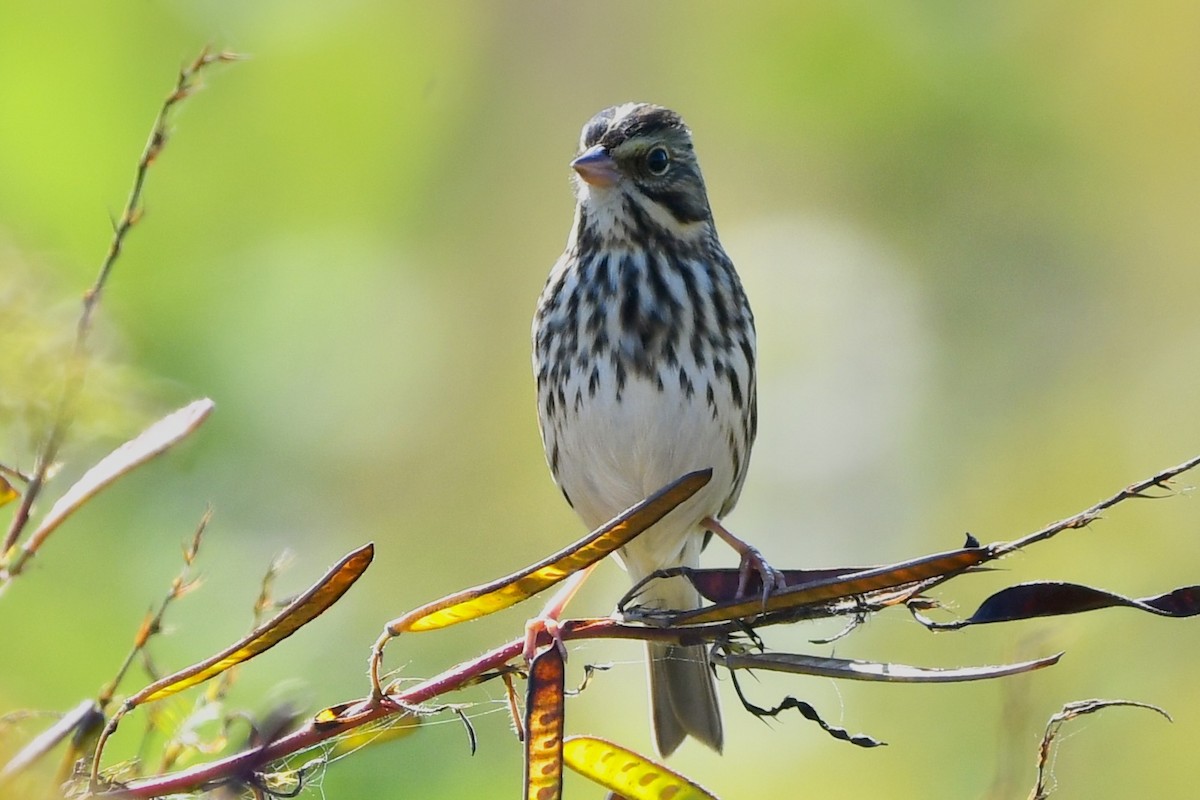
{"points": [[968, 231], [39, 330]]}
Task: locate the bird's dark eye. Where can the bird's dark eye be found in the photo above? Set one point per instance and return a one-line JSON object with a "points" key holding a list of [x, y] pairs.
{"points": [[657, 161]]}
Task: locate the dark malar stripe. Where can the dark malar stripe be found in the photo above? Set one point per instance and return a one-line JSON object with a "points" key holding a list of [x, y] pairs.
{"points": [[683, 205], [643, 231]]}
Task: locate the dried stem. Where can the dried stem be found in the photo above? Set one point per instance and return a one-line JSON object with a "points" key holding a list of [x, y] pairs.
{"points": [[182, 583], [1160, 480], [186, 84]]}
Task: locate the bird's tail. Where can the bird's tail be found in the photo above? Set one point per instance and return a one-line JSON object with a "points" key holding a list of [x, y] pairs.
{"points": [[683, 691]]}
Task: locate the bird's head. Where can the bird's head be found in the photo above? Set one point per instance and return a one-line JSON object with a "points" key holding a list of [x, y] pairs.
{"points": [[641, 154]]}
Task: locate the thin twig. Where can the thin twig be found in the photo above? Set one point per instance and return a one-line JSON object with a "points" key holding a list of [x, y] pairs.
{"points": [[1084, 518], [186, 84], [180, 585], [14, 473]]}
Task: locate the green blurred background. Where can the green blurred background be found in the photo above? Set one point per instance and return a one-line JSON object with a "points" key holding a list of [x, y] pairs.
{"points": [[969, 232]]}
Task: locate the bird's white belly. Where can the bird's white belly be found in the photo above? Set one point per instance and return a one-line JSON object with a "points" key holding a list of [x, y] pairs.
{"points": [[612, 454]]}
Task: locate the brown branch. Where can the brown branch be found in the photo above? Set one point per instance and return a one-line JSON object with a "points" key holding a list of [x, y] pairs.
{"points": [[345, 717]]}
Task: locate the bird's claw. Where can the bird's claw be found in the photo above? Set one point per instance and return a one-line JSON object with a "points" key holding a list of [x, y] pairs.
{"points": [[753, 562], [547, 621]]}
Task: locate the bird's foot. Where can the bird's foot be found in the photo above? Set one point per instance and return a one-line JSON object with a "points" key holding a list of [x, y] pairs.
{"points": [[534, 628], [752, 562], [547, 621]]}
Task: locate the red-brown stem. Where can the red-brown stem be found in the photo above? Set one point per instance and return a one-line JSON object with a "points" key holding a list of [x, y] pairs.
{"points": [[360, 712]]}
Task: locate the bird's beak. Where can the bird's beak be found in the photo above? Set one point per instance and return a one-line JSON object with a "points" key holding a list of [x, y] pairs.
{"points": [[596, 167]]}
